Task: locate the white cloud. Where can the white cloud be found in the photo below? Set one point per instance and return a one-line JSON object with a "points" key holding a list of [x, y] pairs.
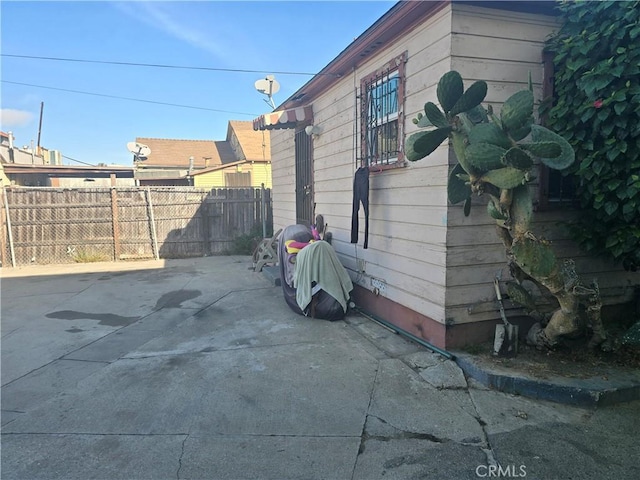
{"points": [[14, 118], [157, 15]]}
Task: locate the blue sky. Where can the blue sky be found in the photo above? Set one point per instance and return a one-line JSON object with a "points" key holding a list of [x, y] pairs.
{"points": [[266, 37]]}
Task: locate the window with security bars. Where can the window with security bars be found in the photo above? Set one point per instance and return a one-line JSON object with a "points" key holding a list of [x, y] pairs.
{"points": [[382, 97]]}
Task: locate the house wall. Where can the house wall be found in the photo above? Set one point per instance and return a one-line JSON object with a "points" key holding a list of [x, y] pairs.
{"points": [[407, 231], [90, 182], [501, 48], [4, 180], [434, 267], [209, 180], [260, 173], [283, 172]]}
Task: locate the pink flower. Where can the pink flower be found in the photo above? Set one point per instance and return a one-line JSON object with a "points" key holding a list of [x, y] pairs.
{"points": [[598, 103]]}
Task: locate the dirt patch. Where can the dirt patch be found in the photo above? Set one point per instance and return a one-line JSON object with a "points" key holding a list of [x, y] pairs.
{"points": [[569, 360]]}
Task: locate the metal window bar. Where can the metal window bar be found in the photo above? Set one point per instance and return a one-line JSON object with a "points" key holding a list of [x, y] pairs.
{"points": [[561, 189], [380, 113]]}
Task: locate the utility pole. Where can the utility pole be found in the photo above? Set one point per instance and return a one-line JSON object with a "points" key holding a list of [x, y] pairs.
{"points": [[40, 126]]}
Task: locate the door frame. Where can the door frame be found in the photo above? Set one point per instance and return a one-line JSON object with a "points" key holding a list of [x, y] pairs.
{"points": [[305, 204]]}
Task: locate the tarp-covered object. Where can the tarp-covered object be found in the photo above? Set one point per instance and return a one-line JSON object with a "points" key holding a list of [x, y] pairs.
{"points": [[314, 281]]}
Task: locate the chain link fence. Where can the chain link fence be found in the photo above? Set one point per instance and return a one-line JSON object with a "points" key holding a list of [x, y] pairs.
{"points": [[50, 225]]}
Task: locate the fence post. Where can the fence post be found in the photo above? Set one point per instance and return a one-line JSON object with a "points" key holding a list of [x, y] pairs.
{"points": [[152, 225], [3, 233], [116, 224], [206, 224], [262, 211], [6, 223]]}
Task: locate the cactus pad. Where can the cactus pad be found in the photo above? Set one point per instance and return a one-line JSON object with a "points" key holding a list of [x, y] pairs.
{"points": [[521, 132], [494, 212], [543, 149], [471, 98], [484, 156], [566, 157], [477, 114], [449, 90], [435, 116], [467, 206], [507, 177], [457, 189], [460, 147], [518, 158], [489, 133], [521, 209], [534, 257], [517, 110], [518, 294], [421, 144]]}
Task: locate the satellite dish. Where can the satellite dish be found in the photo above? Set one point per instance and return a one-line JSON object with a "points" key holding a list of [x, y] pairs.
{"points": [[140, 151], [268, 86]]}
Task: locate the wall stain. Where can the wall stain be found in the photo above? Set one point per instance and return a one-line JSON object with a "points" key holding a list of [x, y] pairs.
{"points": [[175, 298], [109, 319]]}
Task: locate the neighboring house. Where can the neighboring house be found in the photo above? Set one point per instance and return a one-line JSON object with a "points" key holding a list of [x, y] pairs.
{"points": [[428, 268], [9, 153], [242, 160], [28, 167], [68, 176], [252, 167], [4, 180], [173, 162], [242, 174]]}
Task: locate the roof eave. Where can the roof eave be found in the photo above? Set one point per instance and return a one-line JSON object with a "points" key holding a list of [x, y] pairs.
{"points": [[31, 168], [400, 18]]}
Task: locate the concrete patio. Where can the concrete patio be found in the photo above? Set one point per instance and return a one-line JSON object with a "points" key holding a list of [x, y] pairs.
{"points": [[197, 369]]}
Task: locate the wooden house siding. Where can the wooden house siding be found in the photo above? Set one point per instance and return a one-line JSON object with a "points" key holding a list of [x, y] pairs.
{"points": [[209, 180], [407, 217], [283, 178], [431, 259], [260, 173], [501, 48]]}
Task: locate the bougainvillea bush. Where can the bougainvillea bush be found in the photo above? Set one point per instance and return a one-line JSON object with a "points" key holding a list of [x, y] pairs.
{"points": [[596, 107]]}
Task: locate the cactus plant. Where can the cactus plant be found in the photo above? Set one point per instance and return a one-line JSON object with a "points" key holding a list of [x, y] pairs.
{"points": [[494, 158]]}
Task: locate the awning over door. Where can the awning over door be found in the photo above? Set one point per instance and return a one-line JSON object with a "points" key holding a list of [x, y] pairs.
{"points": [[283, 118]]}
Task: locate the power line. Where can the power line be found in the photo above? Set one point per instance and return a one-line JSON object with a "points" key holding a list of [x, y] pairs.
{"points": [[79, 161], [130, 99], [156, 65]]}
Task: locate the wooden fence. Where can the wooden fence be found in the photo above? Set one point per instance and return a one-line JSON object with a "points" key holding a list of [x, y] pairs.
{"points": [[54, 225]]}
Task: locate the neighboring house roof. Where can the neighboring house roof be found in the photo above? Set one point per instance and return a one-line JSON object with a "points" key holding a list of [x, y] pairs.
{"points": [[252, 145], [66, 169], [221, 167], [173, 153]]}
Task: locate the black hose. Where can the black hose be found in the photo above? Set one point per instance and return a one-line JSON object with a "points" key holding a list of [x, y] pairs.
{"points": [[403, 332]]}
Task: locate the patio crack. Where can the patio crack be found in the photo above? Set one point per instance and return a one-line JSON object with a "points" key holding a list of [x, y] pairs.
{"points": [[488, 448], [181, 456], [401, 434]]}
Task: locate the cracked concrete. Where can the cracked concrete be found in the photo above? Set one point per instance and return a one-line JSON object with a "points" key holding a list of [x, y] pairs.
{"points": [[230, 384]]}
